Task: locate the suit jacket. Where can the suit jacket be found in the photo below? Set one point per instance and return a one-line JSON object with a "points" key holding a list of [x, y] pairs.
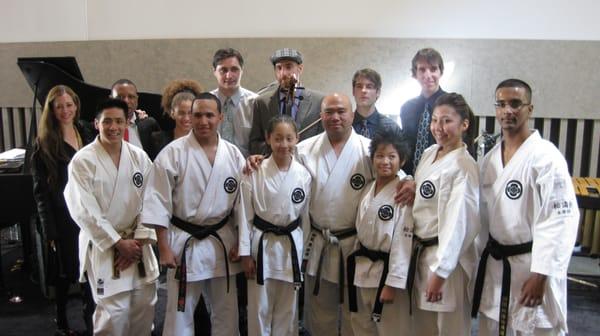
{"points": [[410, 115], [266, 106], [145, 129]]}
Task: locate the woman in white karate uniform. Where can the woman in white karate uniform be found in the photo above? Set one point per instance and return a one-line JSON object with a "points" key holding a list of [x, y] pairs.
{"points": [[272, 209], [446, 222], [377, 305]]}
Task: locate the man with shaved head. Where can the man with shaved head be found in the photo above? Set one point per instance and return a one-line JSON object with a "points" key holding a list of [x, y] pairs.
{"points": [[338, 161]]}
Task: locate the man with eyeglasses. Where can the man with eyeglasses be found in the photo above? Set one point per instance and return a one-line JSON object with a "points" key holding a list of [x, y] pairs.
{"points": [[228, 68], [366, 87], [140, 127], [530, 211], [288, 97]]}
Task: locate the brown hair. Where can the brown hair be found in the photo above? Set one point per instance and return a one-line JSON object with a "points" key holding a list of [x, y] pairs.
{"points": [[369, 74], [171, 94], [429, 55], [50, 136]]}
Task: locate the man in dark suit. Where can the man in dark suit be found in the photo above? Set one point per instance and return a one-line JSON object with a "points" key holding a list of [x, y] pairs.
{"points": [[415, 114], [139, 130], [304, 106], [366, 88]]}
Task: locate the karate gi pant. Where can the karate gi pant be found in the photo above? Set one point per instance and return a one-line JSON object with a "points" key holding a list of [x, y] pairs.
{"points": [[395, 319], [457, 322], [489, 327], [323, 313], [272, 308], [126, 313], [221, 305]]}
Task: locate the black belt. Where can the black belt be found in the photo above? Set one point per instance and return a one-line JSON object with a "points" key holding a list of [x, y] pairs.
{"points": [[374, 256], [267, 227], [198, 232], [332, 238], [418, 245], [498, 252]]}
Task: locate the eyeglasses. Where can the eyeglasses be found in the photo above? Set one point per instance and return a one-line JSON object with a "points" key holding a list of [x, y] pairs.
{"points": [[513, 103]]}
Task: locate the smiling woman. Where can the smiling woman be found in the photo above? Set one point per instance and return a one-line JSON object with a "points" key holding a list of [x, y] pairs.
{"points": [[60, 136], [176, 102]]}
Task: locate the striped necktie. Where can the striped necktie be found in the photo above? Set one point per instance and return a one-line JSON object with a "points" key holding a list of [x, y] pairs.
{"points": [[227, 123], [422, 135], [364, 131]]}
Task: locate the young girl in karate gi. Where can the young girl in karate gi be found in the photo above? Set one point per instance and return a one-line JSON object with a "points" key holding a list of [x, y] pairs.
{"points": [[446, 222], [271, 214], [378, 306]]}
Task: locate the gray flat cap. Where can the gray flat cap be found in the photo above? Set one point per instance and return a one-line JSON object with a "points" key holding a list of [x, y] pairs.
{"points": [[286, 54]]}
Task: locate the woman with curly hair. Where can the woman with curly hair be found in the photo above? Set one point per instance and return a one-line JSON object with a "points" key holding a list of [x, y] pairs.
{"points": [[176, 102], [60, 135]]}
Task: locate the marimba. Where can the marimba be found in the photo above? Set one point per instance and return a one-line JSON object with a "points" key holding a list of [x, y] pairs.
{"points": [[587, 190]]}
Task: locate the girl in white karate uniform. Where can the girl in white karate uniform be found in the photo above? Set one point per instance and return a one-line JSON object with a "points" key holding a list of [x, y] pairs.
{"points": [[446, 222], [272, 210], [377, 303]]}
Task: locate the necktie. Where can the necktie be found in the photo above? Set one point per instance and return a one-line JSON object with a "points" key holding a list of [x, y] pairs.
{"points": [[364, 131], [126, 134], [422, 135], [289, 108], [227, 124]]}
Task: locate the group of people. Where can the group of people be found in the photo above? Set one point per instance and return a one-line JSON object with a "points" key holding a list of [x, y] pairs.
{"points": [[387, 230]]}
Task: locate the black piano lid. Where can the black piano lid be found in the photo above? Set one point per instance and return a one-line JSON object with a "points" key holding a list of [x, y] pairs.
{"points": [[67, 64]]}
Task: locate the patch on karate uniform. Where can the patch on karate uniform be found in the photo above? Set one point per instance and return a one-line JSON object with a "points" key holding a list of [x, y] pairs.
{"points": [[298, 195], [427, 189], [514, 189], [562, 207], [386, 212], [230, 185], [138, 179], [407, 232], [357, 181], [100, 287]]}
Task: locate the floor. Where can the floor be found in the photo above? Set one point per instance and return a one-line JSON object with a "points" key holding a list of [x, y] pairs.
{"points": [[34, 315]]}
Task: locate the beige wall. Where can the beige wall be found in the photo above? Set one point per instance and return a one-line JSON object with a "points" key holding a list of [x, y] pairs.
{"points": [[564, 74]]}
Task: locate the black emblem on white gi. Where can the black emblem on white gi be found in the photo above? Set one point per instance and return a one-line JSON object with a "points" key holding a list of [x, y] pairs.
{"points": [[230, 185], [138, 179], [298, 195], [386, 212], [427, 189], [514, 189], [357, 181]]}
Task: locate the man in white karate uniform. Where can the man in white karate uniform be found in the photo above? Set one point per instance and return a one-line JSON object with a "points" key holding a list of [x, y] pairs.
{"points": [[529, 207], [339, 163], [193, 186], [104, 195]]}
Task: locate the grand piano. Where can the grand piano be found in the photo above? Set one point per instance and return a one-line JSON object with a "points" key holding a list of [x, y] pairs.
{"points": [[16, 199]]}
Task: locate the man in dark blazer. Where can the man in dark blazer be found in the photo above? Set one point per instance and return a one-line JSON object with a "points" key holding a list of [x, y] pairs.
{"points": [[366, 88], [415, 114], [305, 106], [140, 128]]}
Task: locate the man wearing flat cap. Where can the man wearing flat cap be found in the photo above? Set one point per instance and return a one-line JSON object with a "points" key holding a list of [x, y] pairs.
{"points": [[288, 97]]}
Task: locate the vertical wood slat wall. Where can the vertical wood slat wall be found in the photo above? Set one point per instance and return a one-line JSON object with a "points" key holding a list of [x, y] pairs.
{"points": [[577, 139], [14, 126]]}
